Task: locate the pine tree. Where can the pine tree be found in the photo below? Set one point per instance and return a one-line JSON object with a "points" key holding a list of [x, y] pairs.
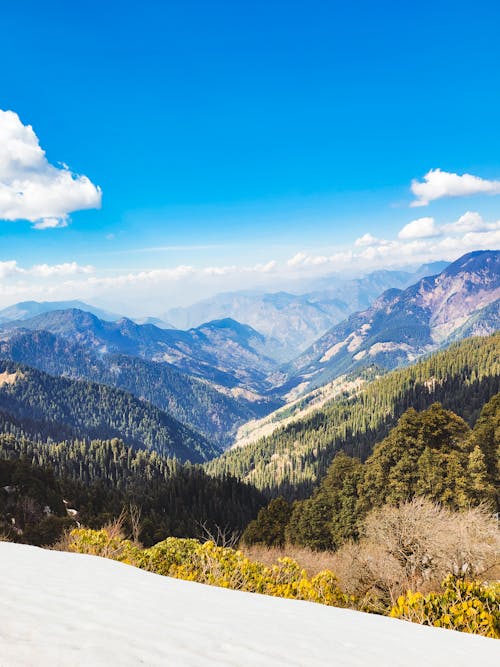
{"points": [[479, 487]]}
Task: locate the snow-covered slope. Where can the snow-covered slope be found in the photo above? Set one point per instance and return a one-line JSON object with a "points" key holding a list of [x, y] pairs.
{"points": [[62, 609]]}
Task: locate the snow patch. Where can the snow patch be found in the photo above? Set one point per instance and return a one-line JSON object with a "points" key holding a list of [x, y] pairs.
{"points": [[69, 609]]}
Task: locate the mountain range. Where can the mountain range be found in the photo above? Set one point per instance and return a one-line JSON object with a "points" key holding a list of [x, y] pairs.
{"points": [[214, 411], [28, 309], [45, 408], [224, 351], [221, 374]]}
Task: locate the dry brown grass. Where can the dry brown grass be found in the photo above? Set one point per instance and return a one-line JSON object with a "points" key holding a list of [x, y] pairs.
{"points": [[311, 561], [63, 543], [115, 534]]}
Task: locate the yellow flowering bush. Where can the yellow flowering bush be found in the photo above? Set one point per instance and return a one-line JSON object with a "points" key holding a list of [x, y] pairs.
{"points": [[468, 606], [207, 563], [102, 543]]}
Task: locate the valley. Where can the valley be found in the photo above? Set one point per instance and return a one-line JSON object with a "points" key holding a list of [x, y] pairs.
{"points": [[183, 439]]}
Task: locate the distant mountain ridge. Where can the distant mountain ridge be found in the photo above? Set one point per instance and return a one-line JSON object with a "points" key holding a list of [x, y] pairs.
{"points": [[293, 321], [25, 310], [401, 325], [224, 352], [214, 412]]}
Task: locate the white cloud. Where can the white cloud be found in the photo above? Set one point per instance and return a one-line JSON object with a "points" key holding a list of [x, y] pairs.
{"points": [[366, 240], [152, 291], [297, 259], [50, 223], [471, 221], [268, 267], [438, 184], [8, 269], [11, 269], [419, 229], [418, 242], [33, 189], [65, 269]]}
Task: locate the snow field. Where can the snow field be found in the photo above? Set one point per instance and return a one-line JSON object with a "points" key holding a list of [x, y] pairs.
{"points": [[61, 609]]}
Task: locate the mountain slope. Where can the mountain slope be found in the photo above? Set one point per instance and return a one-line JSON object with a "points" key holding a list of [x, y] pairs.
{"points": [[215, 412], [295, 456], [47, 407], [403, 325], [293, 321]]}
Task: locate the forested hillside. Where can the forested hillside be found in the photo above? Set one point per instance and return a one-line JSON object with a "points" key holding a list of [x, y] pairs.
{"points": [[431, 454], [51, 408], [291, 460], [215, 413]]}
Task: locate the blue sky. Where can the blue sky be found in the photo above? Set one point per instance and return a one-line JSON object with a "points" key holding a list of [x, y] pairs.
{"points": [[228, 136]]}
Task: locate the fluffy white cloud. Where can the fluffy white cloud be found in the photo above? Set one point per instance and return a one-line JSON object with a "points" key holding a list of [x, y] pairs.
{"points": [[8, 269], [65, 269], [419, 229], [438, 184], [418, 242], [33, 189]]}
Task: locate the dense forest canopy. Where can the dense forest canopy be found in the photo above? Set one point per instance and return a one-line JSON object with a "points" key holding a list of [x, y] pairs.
{"points": [[56, 408], [101, 478]]}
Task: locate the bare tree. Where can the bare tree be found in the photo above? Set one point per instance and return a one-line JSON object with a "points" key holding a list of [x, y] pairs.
{"points": [[414, 546], [135, 513], [221, 536]]}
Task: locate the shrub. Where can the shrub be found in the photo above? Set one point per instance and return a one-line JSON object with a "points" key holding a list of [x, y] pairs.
{"points": [[468, 606]]}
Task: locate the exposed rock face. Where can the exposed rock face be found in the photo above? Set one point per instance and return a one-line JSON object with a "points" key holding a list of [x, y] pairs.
{"points": [[401, 325]]}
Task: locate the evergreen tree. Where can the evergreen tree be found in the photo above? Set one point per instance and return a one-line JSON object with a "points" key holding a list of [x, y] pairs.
{"points": [[269, 526]]}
